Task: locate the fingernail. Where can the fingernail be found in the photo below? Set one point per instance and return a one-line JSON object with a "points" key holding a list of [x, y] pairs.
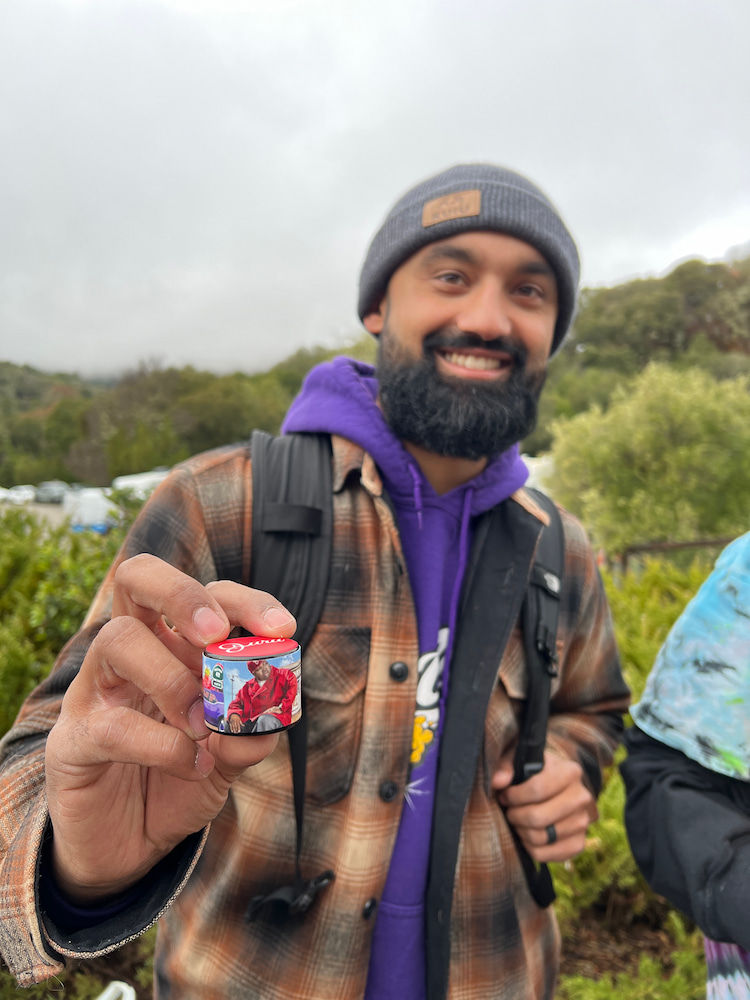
{"points": [[277, 617], [197, 720], [210, 626]]}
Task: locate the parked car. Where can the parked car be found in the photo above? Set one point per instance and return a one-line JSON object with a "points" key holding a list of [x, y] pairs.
{"points": [[51, 491], [21, 494], [140, 485], [88, 509]]}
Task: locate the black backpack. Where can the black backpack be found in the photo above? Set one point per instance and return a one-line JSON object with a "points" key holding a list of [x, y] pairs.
{"points": [[291, 547]]}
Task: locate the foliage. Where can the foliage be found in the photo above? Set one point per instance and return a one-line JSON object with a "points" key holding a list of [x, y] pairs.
{"points": [[685, 981], [645, 603], [605, 874], [47, 580], [668, 460], [644, 317], [696, 316], [133, 964], [656, 319], [58, 427]]}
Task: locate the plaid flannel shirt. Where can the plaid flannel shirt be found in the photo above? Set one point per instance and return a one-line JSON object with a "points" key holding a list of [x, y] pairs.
{"points": [[360, 729]]}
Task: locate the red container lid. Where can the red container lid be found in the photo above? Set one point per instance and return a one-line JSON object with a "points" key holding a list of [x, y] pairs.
{"points": [[249, 647]]}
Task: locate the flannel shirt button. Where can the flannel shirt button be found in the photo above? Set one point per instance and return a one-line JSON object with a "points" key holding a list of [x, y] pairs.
{"points": [[388, 791], [399, 671], [369, 908]]}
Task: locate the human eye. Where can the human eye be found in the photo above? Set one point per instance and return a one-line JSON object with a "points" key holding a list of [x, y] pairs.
{"points": [[451, 277], [529, 290]]}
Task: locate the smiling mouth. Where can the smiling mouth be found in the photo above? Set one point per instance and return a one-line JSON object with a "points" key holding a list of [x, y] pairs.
{"points": [[470, 362]]}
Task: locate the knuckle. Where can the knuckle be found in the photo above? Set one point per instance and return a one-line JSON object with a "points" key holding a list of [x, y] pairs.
{"points": [[585, 799], [183, 590], [134, 566], [573, 769], [109, 729], [175, 746], [178, 686], [533, 817], [113, 637]]}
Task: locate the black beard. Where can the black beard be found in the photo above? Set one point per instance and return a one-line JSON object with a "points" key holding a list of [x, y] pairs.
{"points": [[452, 416]]}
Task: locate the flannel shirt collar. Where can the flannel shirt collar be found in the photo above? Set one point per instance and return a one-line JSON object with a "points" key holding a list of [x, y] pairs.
{"points": [[349, 458]]}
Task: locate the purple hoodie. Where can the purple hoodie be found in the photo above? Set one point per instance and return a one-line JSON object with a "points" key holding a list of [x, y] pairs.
{"points": [[339, 397]]}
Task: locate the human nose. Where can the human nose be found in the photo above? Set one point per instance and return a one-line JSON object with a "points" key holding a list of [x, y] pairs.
{"points": [[484, 311]]}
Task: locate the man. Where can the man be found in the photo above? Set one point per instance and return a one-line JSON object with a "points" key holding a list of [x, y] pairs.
{"points": [[264, 702], [469, 286]]}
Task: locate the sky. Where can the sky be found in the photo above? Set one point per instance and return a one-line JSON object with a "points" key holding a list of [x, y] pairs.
{"points": [[187, 182]]}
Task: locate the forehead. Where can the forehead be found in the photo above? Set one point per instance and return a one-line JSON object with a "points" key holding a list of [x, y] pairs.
{"points": [[483, 248]]}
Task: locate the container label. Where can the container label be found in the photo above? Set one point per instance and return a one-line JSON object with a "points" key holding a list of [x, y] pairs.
{"points": [[251, 693]]}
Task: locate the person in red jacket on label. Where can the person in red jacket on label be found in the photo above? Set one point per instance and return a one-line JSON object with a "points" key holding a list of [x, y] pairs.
{"points": [[263, 703]]}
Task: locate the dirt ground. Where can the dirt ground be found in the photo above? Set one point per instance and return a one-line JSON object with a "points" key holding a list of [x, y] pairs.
{"points": [[594, 950], [53, 513], [614, 942]]}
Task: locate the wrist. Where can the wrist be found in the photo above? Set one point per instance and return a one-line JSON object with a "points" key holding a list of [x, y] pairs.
{"points": [[82, 889]]}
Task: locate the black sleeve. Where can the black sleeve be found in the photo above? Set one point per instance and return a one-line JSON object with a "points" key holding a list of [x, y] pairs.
{"points": [[100, 928], [689, 831]]}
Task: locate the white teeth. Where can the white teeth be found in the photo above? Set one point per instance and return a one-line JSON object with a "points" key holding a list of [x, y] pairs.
{"points": [[473, 361]]}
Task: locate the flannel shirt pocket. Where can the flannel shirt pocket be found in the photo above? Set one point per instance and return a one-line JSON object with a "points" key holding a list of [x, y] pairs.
{"points": [[334, 674], [506, 705]]}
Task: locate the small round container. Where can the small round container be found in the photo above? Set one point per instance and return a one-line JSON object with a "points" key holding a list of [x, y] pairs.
{"points": [[252, 685]]}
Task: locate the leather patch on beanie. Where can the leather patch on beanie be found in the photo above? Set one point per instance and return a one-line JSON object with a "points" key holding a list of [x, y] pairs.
{"points": [[459, 205]]}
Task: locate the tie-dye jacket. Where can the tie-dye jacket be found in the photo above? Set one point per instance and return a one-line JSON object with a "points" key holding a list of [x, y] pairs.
{"points": [[688, 810]]}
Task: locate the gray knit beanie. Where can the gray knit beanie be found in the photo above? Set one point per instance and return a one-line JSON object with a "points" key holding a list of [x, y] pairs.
{"points": [[470, 197]]}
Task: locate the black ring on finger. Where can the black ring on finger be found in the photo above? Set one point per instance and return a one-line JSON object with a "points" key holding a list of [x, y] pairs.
{"points": [[551, 833]]}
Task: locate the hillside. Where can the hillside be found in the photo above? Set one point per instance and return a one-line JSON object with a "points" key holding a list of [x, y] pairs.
{"points": [[62, 426]]}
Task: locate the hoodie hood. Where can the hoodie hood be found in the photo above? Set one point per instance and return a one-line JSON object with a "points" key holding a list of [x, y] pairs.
{"points": [[339, 397]]}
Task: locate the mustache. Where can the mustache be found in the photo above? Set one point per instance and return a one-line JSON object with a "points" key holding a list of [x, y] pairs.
{"points": [[450, 339]]}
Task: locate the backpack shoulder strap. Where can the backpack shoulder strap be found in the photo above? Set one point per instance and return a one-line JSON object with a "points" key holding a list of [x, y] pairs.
{"points": [[292, 522], [539, 626], [291, 555]]}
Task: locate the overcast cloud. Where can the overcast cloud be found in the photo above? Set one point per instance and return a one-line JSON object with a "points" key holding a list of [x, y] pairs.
{"points": [[196, 183]]}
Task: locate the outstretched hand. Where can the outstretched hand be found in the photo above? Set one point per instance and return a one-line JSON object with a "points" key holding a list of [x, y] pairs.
{"points": [[556, 797], [131, 767]]}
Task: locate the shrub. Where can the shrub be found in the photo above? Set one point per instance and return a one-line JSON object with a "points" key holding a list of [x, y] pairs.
{"points": [[48, 577]]}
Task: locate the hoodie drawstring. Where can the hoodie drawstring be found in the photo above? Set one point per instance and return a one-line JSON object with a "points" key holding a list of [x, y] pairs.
{"points": [[463, 556], [417, 482], [463, 559]]}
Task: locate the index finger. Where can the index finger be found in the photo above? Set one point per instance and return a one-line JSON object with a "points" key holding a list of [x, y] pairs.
{"points": [[151, 589], [555, 776]]}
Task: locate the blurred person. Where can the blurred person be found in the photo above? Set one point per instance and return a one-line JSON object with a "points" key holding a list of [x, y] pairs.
{"points": [[687, 773]]}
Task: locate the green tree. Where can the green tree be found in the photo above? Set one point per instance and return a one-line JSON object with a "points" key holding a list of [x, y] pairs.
{"points": [[226, 409], [669, 460], [629, 325]]}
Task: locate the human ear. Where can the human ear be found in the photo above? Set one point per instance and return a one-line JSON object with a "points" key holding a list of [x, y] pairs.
{"points": [[373, 322]]}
